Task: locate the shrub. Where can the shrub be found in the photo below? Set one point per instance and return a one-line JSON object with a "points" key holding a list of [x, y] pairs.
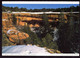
{"points": [[5, 40]]}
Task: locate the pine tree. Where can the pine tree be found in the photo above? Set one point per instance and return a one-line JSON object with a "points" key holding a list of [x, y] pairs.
{"points": [[74, 33], [14, 20], [46, 22], [63, 41], [33, 36], [28, 41], [45, 19], [67, 36], [45, 28], [19, 21], [48, 42], [48, 38], [44, 42], [61, 18]]}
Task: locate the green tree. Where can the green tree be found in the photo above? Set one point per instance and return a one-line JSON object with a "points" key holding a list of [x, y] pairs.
{"points": [[28, 40], [45, 27], [67, 36], [14, 19], [44, 42], [33, 36], [61, 18], [45, 19], [74, 33], [5, 40], [48, 42]]}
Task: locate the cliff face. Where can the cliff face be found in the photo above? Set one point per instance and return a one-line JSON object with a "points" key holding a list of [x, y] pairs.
{"points": [[29, 17], [12, 31]]}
